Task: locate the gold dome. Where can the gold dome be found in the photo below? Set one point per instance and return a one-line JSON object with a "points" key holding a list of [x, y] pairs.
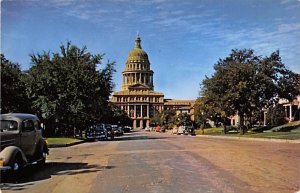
{"points": [[137, 54]]}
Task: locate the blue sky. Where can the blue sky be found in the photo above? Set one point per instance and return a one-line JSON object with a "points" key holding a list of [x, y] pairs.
{"points": [[183, 39]]}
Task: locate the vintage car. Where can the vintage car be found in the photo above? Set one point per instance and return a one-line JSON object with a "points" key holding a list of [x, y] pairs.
{"points": [[21, 142], [100, 132]]}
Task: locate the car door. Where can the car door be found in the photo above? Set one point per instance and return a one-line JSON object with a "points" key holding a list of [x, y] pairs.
{"points": [[28, 137]]}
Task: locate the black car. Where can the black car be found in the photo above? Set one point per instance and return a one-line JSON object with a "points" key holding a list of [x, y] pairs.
{"points": [[101, 132]]}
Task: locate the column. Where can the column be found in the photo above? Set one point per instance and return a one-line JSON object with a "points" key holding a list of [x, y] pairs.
{"points": [[134, 124], [291, 112], [148, 111], [141, 124], [135, 77], [141, 110], [265, 118], [134, 111], [140, 81]]}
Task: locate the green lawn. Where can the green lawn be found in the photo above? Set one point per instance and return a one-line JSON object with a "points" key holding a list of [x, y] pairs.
{"points": [[294, 134], [61, 140]]}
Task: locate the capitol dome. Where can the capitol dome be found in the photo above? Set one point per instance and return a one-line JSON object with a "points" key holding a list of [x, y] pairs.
{"points": [[137, 70], [137, 54]]}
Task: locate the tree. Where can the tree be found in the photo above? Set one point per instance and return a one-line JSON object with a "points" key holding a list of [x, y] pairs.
{"points": [[276, 116], [244, 83], [116, 116], [13, 95], [183, 119], [66, 88]]}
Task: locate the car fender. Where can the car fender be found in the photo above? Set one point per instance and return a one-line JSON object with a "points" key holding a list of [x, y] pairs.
{"points": [[8, 155], [42, 147]]}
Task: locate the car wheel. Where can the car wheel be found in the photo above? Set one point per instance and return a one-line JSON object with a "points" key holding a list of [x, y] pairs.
{"points": [[17, 167]]}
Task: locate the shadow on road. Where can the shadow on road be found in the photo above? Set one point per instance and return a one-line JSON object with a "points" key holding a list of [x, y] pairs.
{"points": [[34, 173]]}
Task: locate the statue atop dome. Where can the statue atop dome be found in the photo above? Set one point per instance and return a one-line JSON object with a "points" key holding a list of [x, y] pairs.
{"points": [[138, 42]]}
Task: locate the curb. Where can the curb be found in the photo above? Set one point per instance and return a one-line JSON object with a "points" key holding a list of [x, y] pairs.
{"points": [[297, 141], [65, 145]]}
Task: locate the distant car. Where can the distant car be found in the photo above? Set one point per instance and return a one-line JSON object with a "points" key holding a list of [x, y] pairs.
{"points": [[157, 129], [110, 131], [101, 132], [90, 133], [119, 131], [22, 142], [182, 130], [175, 130], [190, 130], [127, 129]]}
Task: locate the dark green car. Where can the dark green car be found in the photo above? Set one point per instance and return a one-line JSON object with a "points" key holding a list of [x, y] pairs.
{"points": [[22, 142]]}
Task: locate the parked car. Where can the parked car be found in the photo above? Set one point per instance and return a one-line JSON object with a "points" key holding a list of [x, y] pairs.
{"points": [[118, 131], [22, 142], [191, 130], [175, 130], [182, 130], [157, 129], [110, 131], [127, 129], [89, 133], [101, 132]]}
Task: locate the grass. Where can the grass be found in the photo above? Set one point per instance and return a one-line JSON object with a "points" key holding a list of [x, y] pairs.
{"points": [[210, 131], [293, 135], [61, 141]]}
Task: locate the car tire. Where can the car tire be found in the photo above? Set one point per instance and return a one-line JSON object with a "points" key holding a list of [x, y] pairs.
{"points": [[17, 167]]}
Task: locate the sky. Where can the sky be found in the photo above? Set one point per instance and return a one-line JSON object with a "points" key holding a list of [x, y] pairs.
{"points": [[183, 39]]}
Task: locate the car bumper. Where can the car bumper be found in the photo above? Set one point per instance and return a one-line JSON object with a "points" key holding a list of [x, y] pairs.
{"points": [[4, 168]]}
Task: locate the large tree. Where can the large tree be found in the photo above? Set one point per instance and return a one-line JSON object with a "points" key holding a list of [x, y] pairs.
{"points": [[13, 95], [245, 83], [69, 89]]}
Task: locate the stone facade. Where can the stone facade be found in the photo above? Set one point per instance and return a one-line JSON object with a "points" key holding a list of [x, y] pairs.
{"points": [[137, 96]]}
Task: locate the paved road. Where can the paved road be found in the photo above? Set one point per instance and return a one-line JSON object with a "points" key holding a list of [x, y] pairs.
{"points": [[153, 162]]}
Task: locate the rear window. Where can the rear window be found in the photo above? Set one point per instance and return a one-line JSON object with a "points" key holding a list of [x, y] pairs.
{"points": [[8, 125]]}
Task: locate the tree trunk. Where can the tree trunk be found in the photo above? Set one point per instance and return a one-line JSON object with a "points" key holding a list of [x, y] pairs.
{"points": [[225, 131], [242, 128]]}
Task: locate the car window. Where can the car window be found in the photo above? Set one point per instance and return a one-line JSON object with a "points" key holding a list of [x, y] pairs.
{"points": [[27, 125], [9, 125]]}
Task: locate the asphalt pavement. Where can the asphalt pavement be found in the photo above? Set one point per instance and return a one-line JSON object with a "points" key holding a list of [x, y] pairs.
{"points": [[142, 162]]}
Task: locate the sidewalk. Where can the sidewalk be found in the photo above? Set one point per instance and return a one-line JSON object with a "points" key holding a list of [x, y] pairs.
{"points": [[65, 145], [297, 141]]}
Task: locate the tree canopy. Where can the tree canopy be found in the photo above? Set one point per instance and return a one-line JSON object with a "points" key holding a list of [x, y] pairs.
{"points": [[69, 89], [13, 95], [244, 83]]}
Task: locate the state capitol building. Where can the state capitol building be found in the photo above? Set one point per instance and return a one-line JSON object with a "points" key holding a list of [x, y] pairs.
{"points": [[138, 97]]}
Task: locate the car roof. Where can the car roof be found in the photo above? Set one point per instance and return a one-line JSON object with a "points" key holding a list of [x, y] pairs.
{"points": [[18, 116]]}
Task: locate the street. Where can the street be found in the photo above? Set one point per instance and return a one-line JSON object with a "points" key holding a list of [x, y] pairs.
{"points": [[159, 162]]}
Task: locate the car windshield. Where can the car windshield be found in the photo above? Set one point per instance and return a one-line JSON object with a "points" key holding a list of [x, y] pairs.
{"points": [[8, 125]]}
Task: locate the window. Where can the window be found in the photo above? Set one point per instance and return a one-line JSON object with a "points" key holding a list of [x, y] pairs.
{"points": [[27, 126], [8, 125]]}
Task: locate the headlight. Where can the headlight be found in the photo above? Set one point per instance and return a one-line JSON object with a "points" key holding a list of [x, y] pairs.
{"points": [[1, 163]]}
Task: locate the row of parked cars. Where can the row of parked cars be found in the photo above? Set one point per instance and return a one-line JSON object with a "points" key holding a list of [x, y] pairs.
{"points": [[105, 131], [184, 130]]}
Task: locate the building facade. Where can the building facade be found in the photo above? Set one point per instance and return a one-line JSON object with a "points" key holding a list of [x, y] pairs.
{"points": [[137, 96], [181, 106]]}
